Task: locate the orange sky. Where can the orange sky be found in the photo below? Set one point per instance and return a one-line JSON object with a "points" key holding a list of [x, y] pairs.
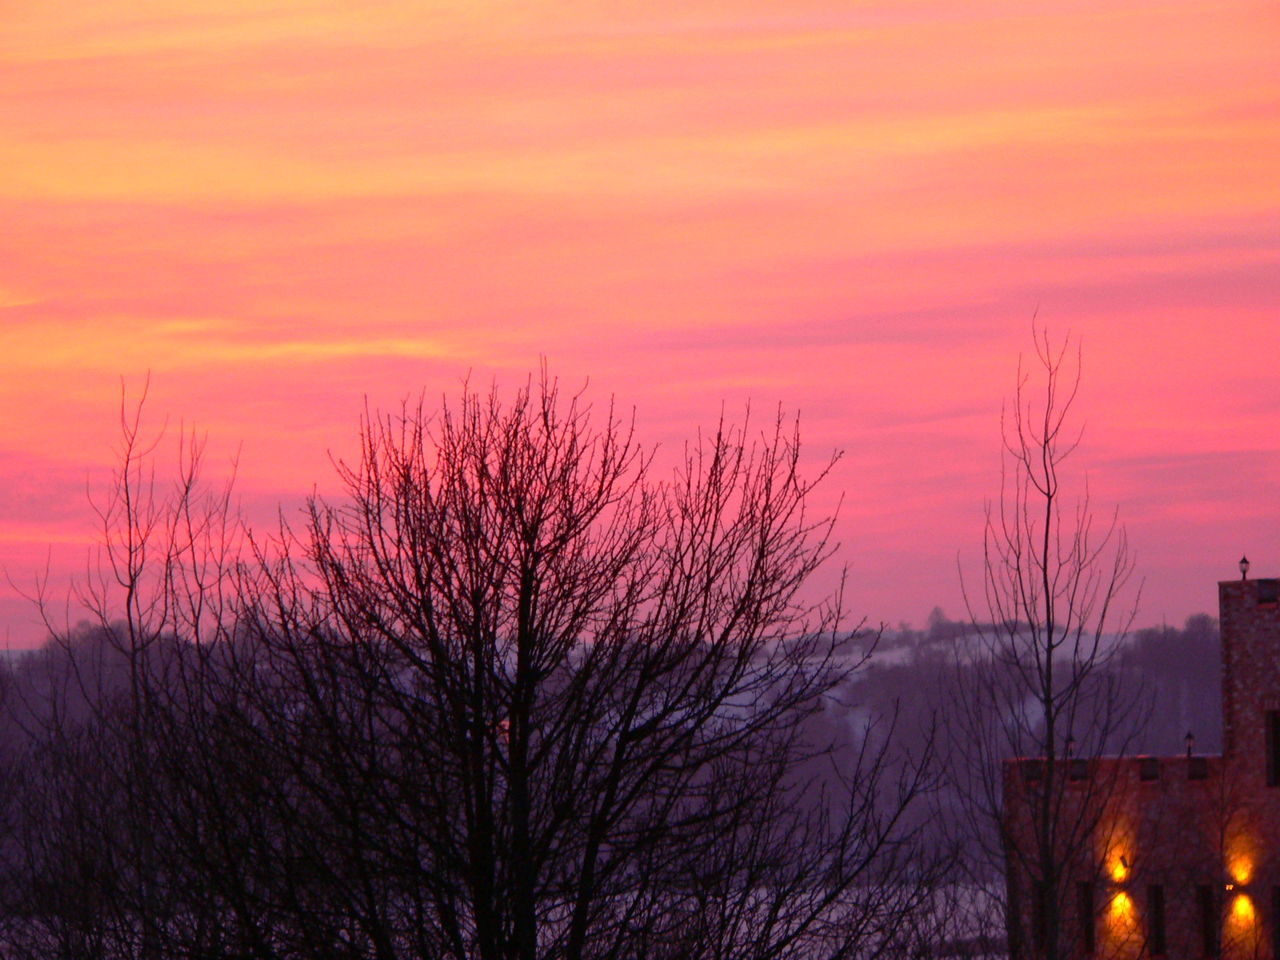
{"points": [[278, 208]]}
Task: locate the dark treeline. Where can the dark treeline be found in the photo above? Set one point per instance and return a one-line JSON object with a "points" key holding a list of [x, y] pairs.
{"points": [[1178, 671], [249, 806], [914, 673]]}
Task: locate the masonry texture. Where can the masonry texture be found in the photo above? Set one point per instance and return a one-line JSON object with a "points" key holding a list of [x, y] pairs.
{"points": [[1176, 856]]}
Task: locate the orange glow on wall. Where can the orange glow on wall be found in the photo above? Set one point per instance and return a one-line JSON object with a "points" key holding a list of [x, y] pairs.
{"points": [[1121, 906], [1242, 909], [1116, 845], [1119, 858], [1122, 930], [1241, 930], [1240, 860], [1122, 918]]}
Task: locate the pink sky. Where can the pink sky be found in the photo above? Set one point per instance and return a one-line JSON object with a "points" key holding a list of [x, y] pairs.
{"points": [[279, 208]]}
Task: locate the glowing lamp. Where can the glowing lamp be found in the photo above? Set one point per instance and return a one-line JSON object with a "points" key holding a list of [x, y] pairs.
{"points": [[1120, 869], [1239, 870]]}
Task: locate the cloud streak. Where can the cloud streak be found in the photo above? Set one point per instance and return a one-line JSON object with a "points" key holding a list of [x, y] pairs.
{"points": [[280, 209]]}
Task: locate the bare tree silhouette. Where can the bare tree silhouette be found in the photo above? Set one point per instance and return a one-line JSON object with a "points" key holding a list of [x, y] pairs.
{"points": [[1041, 685], [509, 697]]}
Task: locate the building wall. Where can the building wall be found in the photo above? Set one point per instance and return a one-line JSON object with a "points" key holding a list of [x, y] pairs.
{"points": [[1200, 834], [1250, 618]]}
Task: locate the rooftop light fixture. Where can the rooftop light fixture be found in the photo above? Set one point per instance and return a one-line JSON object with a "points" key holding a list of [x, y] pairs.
{"points": [[1191, 742], [1244, 568]]}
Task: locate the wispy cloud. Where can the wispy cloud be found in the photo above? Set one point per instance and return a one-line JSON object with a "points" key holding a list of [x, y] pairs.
{"points": [[278, 207]]}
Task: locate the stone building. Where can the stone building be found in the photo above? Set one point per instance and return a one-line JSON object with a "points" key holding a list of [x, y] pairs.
{"points": [[1179, 856]]}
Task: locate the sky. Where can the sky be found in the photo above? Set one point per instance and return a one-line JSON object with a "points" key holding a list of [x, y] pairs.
{"points": [[282, 211]]}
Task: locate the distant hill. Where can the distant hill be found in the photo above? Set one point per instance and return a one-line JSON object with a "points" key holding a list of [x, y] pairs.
{"points": [[1177, 671]]}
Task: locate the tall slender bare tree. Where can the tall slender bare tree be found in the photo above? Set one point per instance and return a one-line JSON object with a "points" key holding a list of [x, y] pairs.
{"points": [[1040, 687]]}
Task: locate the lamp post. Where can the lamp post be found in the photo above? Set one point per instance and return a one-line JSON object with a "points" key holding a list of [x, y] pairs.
{"points": [[1244, 568]]}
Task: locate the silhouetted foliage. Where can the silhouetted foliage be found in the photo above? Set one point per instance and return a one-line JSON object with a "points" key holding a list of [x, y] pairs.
{"points": [[509, 697]]}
